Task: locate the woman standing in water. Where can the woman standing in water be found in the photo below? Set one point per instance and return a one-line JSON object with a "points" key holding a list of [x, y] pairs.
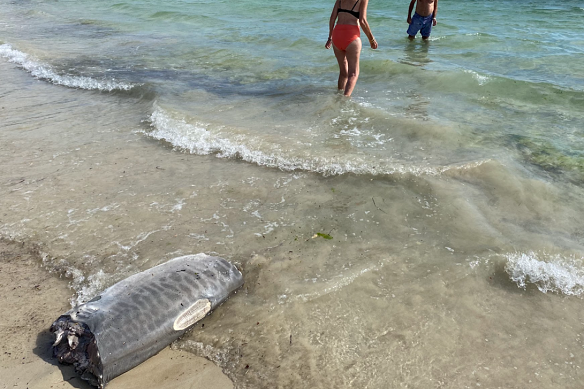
{"points": [[346, 41]]}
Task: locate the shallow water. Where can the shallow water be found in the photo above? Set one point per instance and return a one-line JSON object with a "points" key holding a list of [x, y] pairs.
{"points": [[451, 183]]}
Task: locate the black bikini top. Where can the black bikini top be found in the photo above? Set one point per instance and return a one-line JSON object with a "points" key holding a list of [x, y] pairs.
{"points": [[350, 11]]}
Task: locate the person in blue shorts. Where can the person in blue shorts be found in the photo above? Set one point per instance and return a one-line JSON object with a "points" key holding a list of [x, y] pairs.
{"points": [[424, 18]]}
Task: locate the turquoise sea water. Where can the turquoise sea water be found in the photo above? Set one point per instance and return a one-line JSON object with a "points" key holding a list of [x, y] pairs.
{"points": [[451, 181]]}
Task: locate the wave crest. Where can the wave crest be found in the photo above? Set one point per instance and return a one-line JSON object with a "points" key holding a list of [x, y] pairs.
{"points": [[45, 72], [552, 274], [199, 138]]}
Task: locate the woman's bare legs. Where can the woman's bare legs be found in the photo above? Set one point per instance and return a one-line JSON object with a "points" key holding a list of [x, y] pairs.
{"points": [[348, 66], [352, 53], [343, 67]]}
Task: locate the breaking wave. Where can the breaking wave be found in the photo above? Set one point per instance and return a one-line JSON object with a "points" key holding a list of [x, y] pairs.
{"points": [[200, 138], [549, 273], [45, 72]]}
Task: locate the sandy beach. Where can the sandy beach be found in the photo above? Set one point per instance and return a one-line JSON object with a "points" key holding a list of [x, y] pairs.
{"points": [[32, 298]]}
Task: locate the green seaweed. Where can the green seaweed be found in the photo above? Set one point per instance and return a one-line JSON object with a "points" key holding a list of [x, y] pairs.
{"points": [[325, 236], [547, 156]]}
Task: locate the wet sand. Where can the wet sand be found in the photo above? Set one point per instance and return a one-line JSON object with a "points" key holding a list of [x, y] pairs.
{"points": [[32, 298]]}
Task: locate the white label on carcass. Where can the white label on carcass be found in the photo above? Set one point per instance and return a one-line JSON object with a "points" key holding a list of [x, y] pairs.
{"points": [[193, 314]]}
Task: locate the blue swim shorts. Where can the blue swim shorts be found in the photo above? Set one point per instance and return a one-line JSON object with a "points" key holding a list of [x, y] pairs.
{"points": [[422, 24]]}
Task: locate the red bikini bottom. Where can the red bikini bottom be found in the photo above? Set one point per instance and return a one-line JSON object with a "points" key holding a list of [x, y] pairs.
{"points": [[344, 34]]}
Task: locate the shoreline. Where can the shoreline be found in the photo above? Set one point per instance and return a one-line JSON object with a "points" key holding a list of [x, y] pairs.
{"points": [[32, 298]]}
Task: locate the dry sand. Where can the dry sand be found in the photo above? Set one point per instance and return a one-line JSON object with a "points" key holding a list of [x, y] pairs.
{"points": [[31, 299]]}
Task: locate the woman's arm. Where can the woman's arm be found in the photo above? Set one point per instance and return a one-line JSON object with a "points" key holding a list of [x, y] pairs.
{"points": [[332, 21], [365, 25]]}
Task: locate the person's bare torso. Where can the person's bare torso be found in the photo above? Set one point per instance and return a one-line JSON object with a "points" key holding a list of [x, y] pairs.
{"points": [[424, 7]]}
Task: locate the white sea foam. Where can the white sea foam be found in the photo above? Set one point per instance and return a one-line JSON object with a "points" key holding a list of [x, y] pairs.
{"points": [[87, 290], [86, 287], [198, 138], [482, 80], [45, 72], [550, 273], [436, 38]]}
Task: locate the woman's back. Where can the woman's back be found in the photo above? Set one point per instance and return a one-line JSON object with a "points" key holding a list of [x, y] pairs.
{"points": [[349, 12]]}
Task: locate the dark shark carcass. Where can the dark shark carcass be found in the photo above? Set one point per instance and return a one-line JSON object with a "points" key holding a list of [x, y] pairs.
{"points": [[136, 318]]}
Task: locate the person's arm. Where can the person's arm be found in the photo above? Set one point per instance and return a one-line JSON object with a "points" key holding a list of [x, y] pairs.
{"points": [[410, 11], [365, 25], [435, 12], [332, 21]]}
